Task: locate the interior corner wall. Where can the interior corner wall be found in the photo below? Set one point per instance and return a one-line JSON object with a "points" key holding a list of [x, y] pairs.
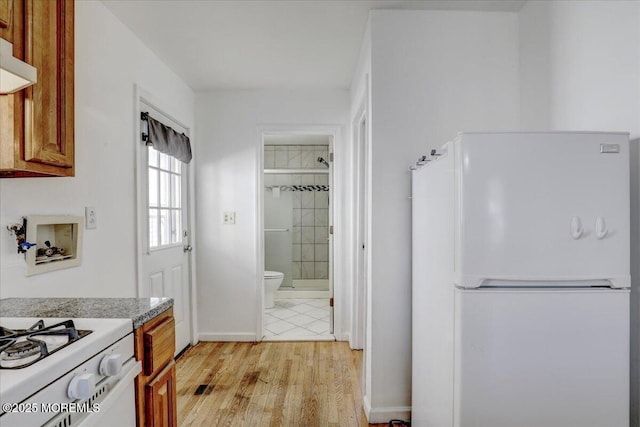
{"points": [[109, 61], [227, 165], [580, 70], [433, 74]]}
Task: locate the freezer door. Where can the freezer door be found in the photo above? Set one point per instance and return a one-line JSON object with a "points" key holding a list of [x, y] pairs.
{"points": [[541, 358], [542, 206]]}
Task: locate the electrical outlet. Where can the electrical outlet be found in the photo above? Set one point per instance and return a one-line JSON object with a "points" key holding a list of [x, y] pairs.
{"points": [[90, 218], [229, 218]]}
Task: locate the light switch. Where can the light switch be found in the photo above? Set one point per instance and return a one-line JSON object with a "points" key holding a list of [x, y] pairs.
{"points": [[90, 218], [229, 218]]}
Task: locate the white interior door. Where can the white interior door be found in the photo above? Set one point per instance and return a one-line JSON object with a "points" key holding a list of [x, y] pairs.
{"points": [[164, 244]]}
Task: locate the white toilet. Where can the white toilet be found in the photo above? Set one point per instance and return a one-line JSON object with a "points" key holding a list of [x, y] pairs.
{"points": [[272, 281]]}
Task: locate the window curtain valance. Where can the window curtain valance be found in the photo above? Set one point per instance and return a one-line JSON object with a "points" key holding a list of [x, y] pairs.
{"points": [[166, 140]]}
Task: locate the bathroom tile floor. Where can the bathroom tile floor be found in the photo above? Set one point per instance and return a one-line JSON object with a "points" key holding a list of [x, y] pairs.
{"points": [[298, 320]]}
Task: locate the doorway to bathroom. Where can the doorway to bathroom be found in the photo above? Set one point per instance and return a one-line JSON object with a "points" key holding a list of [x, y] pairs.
{"points": [[297, 236]]}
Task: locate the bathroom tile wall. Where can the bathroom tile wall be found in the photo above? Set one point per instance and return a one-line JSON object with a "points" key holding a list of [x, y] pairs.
{"points": [[310, 208], [294, 156]]}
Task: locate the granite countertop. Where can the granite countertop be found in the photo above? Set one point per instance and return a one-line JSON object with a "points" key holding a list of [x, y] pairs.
{"points": [[139, 310]]}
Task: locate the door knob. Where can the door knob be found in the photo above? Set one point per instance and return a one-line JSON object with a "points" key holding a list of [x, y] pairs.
{"points": [[187, 248]]}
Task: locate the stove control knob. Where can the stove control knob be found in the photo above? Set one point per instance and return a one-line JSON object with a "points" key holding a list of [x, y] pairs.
{"points": [[82, 386], [111, 365]]}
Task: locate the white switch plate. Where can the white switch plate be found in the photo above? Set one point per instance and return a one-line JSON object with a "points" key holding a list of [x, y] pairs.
{"points": [[90, 218], [229, 218]]}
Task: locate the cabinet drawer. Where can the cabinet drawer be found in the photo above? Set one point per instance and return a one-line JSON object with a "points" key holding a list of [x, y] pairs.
{"points": [[159, 346]]}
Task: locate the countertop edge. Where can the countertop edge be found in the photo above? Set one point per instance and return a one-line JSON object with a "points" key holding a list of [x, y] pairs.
{"points": [[152, 313]]}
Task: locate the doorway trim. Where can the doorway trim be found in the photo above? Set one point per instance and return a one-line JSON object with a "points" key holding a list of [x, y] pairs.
{"points": [[361, 221], [337, 252], [142, 96]]}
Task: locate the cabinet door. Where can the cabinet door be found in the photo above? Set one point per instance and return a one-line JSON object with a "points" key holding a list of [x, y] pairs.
{"points": [[49, 107], [6, 20], [160, 397]]}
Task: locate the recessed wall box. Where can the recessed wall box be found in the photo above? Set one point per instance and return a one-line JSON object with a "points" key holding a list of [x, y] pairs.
{"points": [[58, 241]]}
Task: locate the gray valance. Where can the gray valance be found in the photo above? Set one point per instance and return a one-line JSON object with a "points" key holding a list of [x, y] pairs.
{"points": [[166, 140]]}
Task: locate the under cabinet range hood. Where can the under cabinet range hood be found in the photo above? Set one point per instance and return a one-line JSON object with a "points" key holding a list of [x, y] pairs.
{"points": [[15, 74]]}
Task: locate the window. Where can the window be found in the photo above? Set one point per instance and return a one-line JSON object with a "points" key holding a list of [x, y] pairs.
{"points": [[165, 199]]}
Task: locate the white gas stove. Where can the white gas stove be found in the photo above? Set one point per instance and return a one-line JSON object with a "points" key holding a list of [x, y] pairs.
{"points": [[79, 372]]}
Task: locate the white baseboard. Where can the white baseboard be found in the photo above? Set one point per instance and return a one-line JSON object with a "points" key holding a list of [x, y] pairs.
{"points": [[227, 337], [385, 414], [249, 337]]}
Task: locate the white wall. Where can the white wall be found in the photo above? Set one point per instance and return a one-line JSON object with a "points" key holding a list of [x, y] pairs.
{"points": [[228, 125], [579, 65], [580, 70], [433, 73], [109, 60]]}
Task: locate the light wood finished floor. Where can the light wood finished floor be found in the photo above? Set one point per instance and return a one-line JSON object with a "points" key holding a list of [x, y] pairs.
{"points": [[270, 384]]}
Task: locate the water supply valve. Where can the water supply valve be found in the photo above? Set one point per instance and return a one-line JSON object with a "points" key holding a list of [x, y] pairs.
{"points": [[20, 232]]}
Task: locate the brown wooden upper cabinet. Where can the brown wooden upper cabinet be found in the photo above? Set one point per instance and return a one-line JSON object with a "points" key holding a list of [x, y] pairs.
{"points": [[37, 123], [6, 20]]}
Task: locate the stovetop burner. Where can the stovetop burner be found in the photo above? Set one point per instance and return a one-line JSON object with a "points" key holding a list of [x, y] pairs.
{"points": [[23, 347], [21, 350]]}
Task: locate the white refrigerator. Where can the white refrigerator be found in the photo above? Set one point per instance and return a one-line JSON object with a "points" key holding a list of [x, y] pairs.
{"points": [[521, 281]]}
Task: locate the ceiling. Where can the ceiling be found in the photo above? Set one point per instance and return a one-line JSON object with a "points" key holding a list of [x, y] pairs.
{"points": [[245, 44]]}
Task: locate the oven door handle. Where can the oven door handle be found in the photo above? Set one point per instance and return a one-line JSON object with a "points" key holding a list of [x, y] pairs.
{"points": [[130, 371]]}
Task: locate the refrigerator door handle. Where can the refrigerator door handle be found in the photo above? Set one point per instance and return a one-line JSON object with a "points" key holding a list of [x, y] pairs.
{"points": [[601, 228], [576, 228]]}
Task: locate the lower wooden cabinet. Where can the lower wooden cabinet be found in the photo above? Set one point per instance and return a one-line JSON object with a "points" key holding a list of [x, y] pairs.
{"points": [[160, 396], [156, 384]]}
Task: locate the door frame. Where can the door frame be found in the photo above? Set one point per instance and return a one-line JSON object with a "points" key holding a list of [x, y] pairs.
{"points": [[360, 273], [143, 96], [336, 251], [361, 225]]}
